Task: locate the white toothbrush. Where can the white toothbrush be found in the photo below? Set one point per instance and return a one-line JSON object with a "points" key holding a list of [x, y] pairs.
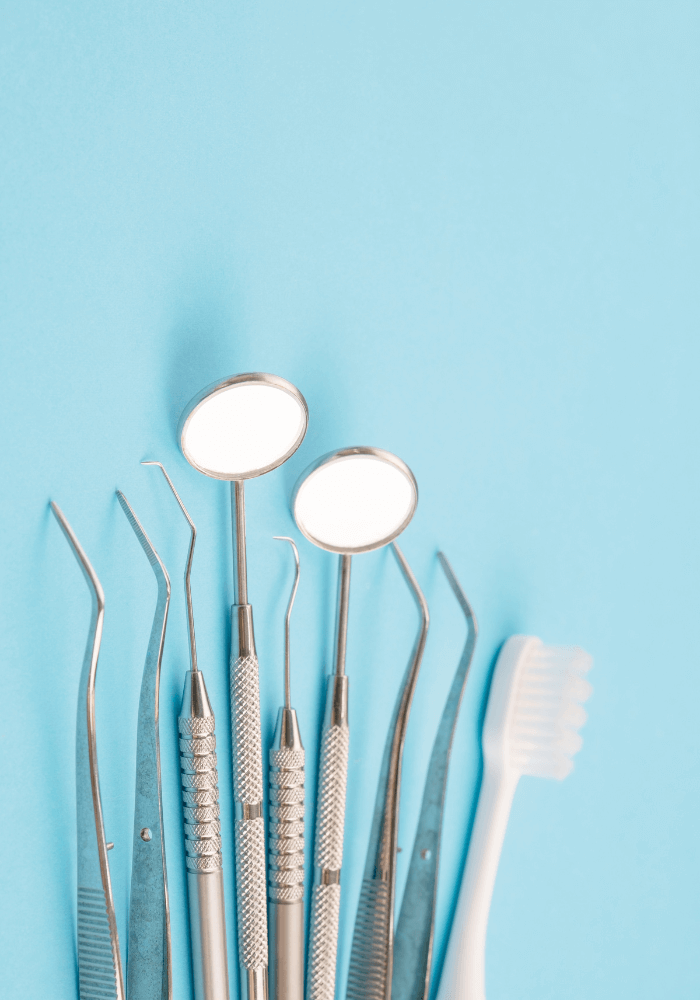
{"points": [[532, 717]]}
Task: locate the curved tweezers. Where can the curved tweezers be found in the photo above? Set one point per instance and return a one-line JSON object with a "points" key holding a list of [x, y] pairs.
{"points": [[99, 960], [149, 969], [415, 933], [372, 955]]}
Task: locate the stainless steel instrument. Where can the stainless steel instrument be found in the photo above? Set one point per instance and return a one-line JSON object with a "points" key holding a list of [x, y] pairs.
{"points": [[99, 960], [372, 954], [350, 501], [286, 842], [149, 968], [235, 430], [200, 797], [149, 973], [413, 946]]}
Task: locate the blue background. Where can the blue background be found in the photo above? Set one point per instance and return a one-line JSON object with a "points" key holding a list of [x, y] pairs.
{"points": [[469, 234]]}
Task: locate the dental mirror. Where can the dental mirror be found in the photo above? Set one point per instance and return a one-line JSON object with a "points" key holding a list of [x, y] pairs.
{"points": [[355, 500], [243, 427], [350, 501], [235, 430]]}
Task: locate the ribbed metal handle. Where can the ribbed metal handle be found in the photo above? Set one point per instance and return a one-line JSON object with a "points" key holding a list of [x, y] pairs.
{"points": [[368, 972], [286, 863], [328, 853], [286, 870], [200, 808], [200, 794]]}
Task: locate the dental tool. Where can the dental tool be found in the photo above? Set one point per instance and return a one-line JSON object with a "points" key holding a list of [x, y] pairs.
{"points": [[350, 501], [286, 844], [99, 960], [200, 797], [372, 954], [532, 717], [149, 967], [415, 932], [235, 430]]}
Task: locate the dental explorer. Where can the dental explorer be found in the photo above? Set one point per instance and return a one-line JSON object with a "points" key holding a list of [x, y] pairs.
{"points": [[413, 946], [350, 501], [99, 959], [286, 836], [149, 966], [238, 429], [200, 797], [372, 953]]}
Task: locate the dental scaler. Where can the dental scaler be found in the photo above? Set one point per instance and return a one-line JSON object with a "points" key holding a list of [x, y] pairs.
{"points": [[286, 843], [200, 808]]}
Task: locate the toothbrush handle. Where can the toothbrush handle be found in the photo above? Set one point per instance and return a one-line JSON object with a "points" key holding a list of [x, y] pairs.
{"points": [[463, 975], [328, 855], [251, 894]]}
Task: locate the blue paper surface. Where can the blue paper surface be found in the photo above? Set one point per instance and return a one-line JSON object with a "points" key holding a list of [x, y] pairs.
{"points": [[469, 234]]}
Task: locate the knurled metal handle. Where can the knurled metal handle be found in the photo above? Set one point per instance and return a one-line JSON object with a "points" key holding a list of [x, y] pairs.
{"points": [[286, 868], [323, 946], [250, 887], [250, 833], [328, 858], [332, 782], [200, 794], [246, 732]]}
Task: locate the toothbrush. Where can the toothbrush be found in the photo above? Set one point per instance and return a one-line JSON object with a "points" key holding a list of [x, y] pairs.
{"points": [[533, 714]]}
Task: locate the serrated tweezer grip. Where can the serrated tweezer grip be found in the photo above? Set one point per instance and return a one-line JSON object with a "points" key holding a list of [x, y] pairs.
{"points": [[328, 854], [251, 894]]}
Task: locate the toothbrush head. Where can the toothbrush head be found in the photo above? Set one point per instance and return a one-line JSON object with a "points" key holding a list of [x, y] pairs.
{"points": [[535, 708]]}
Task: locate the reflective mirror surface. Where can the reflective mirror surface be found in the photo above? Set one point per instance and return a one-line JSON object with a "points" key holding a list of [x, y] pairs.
{"points": [[355, 500], [244, 426]]}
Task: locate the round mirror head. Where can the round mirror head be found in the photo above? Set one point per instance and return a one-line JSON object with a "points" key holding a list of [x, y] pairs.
{"points": [[243, 427], [355, 500]]}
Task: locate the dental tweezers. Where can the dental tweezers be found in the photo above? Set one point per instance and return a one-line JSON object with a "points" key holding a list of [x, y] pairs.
{"points": [[99, 961], [372, 954], [413, 947]]}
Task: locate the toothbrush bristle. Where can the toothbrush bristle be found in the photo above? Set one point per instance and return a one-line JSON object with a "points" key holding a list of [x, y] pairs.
{"points": [[548, 711]]}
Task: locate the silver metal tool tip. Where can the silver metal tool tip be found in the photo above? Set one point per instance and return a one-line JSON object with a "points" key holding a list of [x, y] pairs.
{"points": [[188, 567], [287, 618], [195, 700]]}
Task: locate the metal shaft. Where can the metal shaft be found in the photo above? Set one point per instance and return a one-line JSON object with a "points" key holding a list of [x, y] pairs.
{"points": [[251, 894], [330, 813], [205, 883], [341, 631], [240, 568], [286, 845]]}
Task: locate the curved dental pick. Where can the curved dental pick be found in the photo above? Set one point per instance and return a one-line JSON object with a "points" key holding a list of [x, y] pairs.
{"points": [[285, 870], [200, 797]]}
